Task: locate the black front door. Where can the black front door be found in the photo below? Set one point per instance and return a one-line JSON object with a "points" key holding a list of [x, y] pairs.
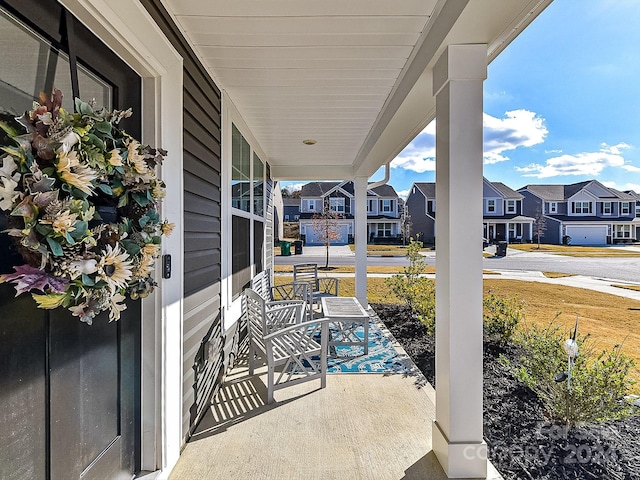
{"points": [[69, 392]]}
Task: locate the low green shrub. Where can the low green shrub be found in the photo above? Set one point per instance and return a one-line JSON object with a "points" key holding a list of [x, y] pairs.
{"points": [[599, 381], [416, 291], [501, 317]]}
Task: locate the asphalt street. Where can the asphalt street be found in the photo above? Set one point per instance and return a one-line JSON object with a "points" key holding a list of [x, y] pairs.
{"points": [[615, 268]]}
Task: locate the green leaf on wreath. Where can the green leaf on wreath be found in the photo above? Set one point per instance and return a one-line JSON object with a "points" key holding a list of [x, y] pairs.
{"points": [[70, 240], [130, 246], [87, 280], [140, 198], [80, 230], [103, 127], [105, 188], [123, 201], [44, 230], [56, 248]]}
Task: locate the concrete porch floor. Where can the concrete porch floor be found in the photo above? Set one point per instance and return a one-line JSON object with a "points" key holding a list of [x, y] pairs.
{"points": [[362, 426]]}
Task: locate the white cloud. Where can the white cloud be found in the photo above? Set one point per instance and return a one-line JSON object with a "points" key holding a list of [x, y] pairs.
{"points": [[586, 163], [403, 193], [292, 187], [610, 184], [519, 128], [632, 186], [631, 168], [420, 155]]}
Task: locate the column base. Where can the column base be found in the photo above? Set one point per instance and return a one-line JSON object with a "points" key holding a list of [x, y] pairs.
{"points": [[459, 460]]}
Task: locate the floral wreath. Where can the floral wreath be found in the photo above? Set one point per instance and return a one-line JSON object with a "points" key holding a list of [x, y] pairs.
{"points": [[82, 197]]}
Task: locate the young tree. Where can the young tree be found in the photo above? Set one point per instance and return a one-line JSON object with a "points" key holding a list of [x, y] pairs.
{"points": [[325, 226], [540, 225], [405, 225]]}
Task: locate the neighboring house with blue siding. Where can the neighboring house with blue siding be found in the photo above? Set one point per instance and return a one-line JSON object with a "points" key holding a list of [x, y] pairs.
{"points": [[383, 212], [291, 209], [584, 213], [503, 217]]}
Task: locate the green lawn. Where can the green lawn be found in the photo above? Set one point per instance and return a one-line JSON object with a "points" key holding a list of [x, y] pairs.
{"points": [[609, 319], [575, 250]]}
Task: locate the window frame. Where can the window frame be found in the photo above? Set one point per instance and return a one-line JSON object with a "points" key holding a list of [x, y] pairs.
{"points": [[553, 207], [580, 207], [335, 203], [623, 210], [386, 205], [255, 219], [604, 208], [491, 205], [510, 206], [384, 228], [623, 231]]}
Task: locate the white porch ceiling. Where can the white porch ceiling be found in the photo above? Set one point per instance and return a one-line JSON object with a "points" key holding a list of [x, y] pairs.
{"points": [[353, 75]]}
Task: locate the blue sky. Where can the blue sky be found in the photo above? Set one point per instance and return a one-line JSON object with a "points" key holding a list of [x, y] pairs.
{"points": [[561, 103]]}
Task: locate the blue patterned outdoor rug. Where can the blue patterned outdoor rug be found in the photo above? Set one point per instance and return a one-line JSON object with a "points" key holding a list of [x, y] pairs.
{"points": [[382, 357]]}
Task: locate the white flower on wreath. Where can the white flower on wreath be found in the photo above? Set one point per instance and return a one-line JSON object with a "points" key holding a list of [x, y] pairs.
{"points": [[115, 268], [116, 305]]}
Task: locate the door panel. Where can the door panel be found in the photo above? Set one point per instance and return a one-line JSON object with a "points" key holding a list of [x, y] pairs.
{"points": [[23, 417], [69, 392]]}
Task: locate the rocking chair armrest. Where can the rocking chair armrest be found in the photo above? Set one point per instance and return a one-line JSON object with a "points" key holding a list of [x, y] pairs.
{"points": [[309, 328], [284, 303]]}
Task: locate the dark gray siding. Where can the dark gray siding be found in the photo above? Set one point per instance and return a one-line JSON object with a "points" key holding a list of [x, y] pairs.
{"points": [[422, 224], [203, 356]]}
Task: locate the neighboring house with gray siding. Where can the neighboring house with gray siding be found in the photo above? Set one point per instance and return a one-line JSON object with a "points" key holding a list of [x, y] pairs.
{"points": [[583, 213], [503, 218], [383, 211], [421, 206]]}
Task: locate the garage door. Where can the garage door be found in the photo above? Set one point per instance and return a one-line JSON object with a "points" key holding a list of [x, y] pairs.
{"points": [[313, 238], [588, 235]]}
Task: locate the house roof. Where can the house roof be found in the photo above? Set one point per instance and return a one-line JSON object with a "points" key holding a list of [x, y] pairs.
{"points": [[319, 189], [291, 202], [428, 189], [507, 192], [356, 76], [559, 193], [633, 194]]}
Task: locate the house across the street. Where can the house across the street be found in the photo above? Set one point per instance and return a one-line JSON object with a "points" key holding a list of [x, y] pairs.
{"points": [[584, 213], [383, 212]]}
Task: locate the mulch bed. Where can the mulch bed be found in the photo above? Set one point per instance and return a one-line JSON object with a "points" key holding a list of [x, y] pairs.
{"points": [[522, 443]]}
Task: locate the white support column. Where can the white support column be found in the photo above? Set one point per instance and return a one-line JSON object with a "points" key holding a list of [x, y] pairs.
{"points": [[360, 232], [457, 430]]}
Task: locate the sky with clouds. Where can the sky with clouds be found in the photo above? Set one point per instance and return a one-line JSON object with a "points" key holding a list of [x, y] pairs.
{"points": [[561, 103]]}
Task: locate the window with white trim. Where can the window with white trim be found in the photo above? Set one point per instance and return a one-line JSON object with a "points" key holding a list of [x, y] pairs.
{"points": [[553, 207], [581, 207], [384, 229], [638, 210], [336, 204], [623, 231], [606, 208], [491, 205], [311, 205], [385, 206], [511, 206], [247, 212], [624, 208], [512, 230]]}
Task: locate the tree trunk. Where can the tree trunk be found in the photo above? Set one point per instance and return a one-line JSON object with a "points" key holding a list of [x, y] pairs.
{"points": [[326, 265]]}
